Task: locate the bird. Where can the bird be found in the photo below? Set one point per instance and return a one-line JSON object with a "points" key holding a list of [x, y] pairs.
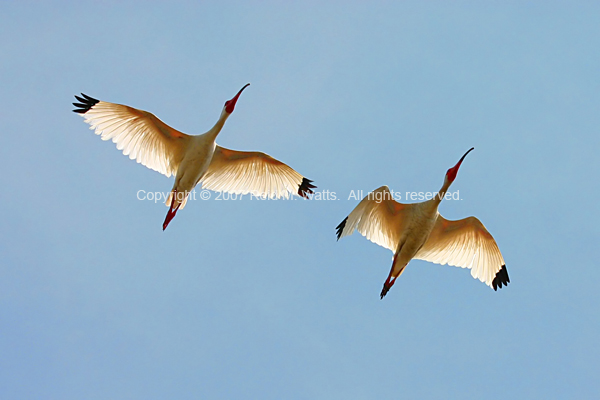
{"points": [[192, 159], [418, 231]]}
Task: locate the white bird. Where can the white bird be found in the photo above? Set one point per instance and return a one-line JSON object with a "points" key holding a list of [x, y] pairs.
{"points": [[419, 231], [192, 159]]}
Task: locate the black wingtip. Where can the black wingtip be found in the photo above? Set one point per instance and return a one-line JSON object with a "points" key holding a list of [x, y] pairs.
{"points": [[340, 228], [501, 278], [305, 188], [85, 103]]}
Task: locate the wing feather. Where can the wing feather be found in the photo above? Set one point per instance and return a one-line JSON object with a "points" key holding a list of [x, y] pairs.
{"points": [[243, 172], [378, 217], [137, 133], [466, 243]]}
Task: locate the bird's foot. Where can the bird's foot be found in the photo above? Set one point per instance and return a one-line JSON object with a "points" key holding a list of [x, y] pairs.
{"points": [[387, 286], [171, 213]]}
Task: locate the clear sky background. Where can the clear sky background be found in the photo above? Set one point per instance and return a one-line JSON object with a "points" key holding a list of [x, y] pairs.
{"points": [[249, 299]]}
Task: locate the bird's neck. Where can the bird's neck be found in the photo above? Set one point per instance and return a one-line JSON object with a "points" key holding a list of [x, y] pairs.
{"points": [[215, 130], [440, 195]]}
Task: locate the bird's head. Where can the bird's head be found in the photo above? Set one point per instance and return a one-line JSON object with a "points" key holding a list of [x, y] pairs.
{"points": [[451, 173], [230, 104]]}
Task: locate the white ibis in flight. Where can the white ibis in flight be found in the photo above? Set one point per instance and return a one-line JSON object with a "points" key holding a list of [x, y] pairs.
{"points": [[192, 159], [419, 231]]}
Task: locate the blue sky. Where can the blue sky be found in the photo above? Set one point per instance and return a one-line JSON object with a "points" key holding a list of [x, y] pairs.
{"points": [[251, 299]]}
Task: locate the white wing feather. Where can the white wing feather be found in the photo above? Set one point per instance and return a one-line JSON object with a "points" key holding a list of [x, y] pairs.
{"points": [[465, 243], [378, 217], [139, 134], [243, 172]]}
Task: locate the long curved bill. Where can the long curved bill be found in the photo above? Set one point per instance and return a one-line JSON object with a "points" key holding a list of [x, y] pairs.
{"points": [[231, 103], [462, 158]]}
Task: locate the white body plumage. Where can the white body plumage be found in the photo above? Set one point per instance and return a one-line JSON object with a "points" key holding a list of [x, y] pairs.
{"points": [[418, 231], [192, 159]]}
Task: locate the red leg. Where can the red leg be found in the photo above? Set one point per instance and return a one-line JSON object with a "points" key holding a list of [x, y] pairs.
{"points": [[171, 213], [388, 285], [390, 280]]}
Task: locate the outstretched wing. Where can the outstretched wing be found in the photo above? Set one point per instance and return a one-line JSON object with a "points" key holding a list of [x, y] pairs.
{"points": [[378, 217], [467, 244], [243, 172], [139, 134]]}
